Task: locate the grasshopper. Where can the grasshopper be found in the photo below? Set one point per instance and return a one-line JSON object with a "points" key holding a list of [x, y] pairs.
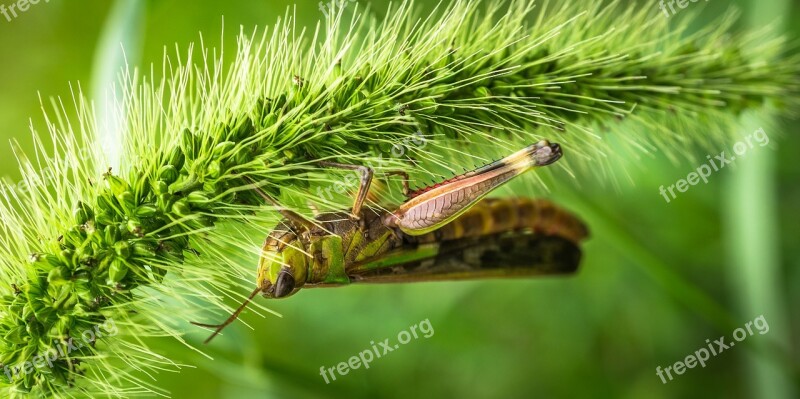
{"points": [[446, 231]]}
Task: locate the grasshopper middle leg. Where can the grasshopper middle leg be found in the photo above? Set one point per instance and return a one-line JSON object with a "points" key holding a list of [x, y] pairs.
{"points": [[367, 174]]}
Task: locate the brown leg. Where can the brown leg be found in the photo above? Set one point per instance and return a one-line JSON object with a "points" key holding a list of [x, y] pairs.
{"points": [[363, 190]]}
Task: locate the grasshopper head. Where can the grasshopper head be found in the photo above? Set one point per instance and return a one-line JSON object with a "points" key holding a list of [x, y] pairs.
{"points": [[283, 266], [282, 271]]}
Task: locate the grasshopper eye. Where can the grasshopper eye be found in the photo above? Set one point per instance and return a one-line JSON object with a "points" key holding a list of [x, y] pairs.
{"points": [[284, 285]]}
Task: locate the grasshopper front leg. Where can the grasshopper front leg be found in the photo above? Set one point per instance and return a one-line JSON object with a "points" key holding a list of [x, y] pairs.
{"points": [[440, 204]]}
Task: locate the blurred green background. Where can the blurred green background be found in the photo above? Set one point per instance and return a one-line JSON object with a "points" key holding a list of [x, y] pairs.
{"points": [[646, 296]]}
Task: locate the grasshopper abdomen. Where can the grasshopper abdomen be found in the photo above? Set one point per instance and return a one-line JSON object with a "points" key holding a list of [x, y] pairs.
{"points": [[494, 216]]}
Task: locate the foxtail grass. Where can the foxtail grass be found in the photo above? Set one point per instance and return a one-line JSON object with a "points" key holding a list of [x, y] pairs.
{"points": [[177, 226]]}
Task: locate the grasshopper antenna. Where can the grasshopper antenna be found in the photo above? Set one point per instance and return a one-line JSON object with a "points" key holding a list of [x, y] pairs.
{"points": [[230, 320]]}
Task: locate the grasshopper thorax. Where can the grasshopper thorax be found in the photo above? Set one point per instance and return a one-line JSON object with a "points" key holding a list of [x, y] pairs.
{"points": [[283, 265]]}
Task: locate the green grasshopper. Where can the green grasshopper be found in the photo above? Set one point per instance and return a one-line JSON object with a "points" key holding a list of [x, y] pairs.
{"points": [[447, 231]]}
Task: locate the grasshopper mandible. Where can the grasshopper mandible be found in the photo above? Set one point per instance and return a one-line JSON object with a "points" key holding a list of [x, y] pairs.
{"points": [[442, 232]]}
